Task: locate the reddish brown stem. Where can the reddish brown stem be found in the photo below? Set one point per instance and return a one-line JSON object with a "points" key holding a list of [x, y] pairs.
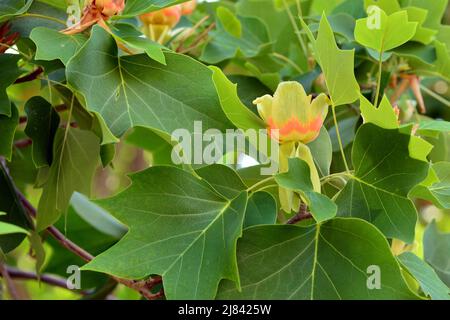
{"points": [[302, 215], [21, 144], [31, 76], [45, 278]]}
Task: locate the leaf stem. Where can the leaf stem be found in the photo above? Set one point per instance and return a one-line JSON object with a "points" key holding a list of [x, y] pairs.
{"points": [[41, 16], [288, 61], [296, 29], [380, 69], [436, 96], [254, 188], [338, 134]]}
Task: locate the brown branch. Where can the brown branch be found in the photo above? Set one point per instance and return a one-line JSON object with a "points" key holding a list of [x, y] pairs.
{"points": [[30, 77], [144, 287], [45, 278], [302, 215], [4, 272], [66, 243]]}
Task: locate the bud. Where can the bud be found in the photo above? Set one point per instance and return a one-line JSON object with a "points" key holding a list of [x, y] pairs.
{"points": [[188, 7], [165, 17], [293, 113], [110, 8]]}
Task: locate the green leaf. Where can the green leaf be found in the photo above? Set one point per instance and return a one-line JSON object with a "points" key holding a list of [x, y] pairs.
{"points": [[430, 283], [160, 148], [137, 7], [134, 39], [436, 188], [298, 179], [384, 116], [322, 152], [436, 248], [42, 123], [10, 72], [384, 174], [432, 128], [229, 21], [181, 229], [394, 30], [337, 65], [96, 216], [435, 10], [52, 44], [235, 110], [8, 126], [423, 35], [7, 228], [316, 262], [261, 209], [11, 8], [76, 158], [134, 90], [388, 6], [223, 179], [224, 45], [15, 213]]}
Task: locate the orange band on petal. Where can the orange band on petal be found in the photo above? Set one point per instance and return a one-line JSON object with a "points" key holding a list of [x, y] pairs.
{"points": [[294, 125]]}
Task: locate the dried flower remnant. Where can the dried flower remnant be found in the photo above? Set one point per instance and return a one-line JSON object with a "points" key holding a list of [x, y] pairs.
{"points": [[7, 39], [96, 11]]}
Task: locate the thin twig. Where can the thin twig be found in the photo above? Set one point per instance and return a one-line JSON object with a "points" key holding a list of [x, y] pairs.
{"points": [[9, 282], [144, 287], [45, 278]]}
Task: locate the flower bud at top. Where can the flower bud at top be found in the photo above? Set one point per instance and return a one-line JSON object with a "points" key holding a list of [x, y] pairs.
{"points": [[293, 113], [167, 17], [188, 7], [109, 8]]}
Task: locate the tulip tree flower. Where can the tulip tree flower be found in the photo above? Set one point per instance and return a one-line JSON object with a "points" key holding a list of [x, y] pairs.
{"points": [[188, 7], [291, 111], [294, 120], [157, 24]]}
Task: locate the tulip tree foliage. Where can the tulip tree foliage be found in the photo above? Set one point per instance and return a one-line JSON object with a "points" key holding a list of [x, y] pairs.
{"points": [[119, 148]]}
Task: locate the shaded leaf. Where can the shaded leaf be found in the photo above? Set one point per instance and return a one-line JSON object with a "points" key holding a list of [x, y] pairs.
{"points": [[10, 72], [8, 126], [436, 248], [15, 213], [42, 123], [430, 283], [261, 209], [76, 159], [181, 229], [315, 262]]}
